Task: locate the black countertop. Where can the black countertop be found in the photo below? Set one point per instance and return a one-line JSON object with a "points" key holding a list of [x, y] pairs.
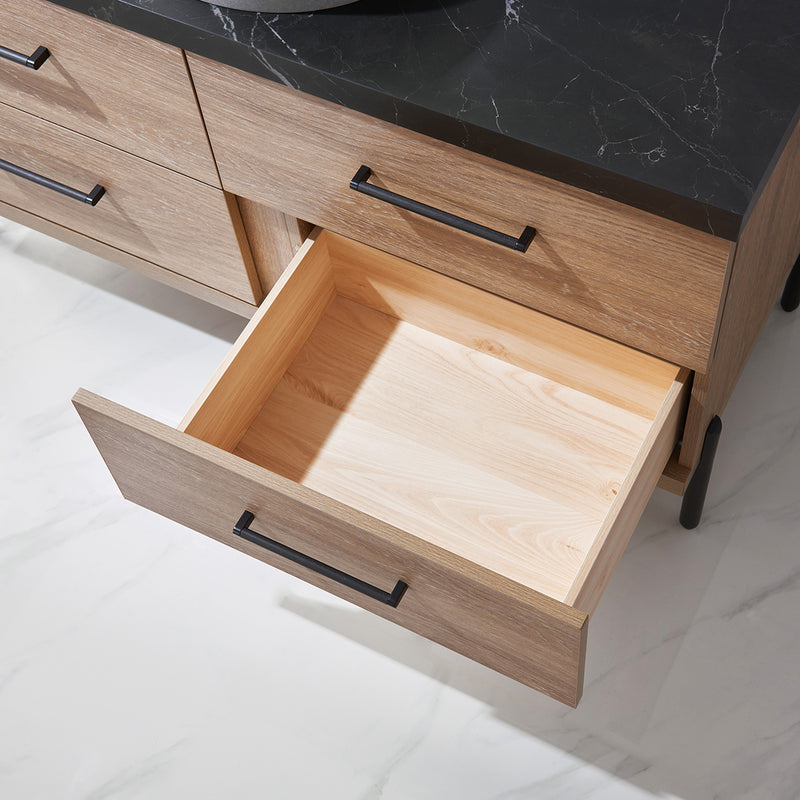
{"points": [[678, 107]]}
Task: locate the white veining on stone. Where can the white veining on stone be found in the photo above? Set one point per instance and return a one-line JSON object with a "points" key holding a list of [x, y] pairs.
{"points": [[512, 12], [270, 24], [496, 115], [714, 159], [262, 59], [228, 24], [463, 32], [141, 661], [713, 111]]}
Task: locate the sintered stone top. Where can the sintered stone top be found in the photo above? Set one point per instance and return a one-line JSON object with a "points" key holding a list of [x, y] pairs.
{"points": [[673, 106]]}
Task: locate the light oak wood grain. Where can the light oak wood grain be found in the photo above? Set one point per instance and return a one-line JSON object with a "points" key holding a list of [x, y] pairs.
{"points": [[472, 407], [148, 211], [528, 536], [266, 347], [274, 239], [632, 276], [430, 436], [634, 494], [487, 617], [372, 394], [768, 246], [103, 250], [116, 86], [492, 325]]}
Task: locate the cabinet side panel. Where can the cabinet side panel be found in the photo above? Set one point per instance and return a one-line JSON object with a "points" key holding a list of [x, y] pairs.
{"points": [[255, 364], [633, 497], [767, 249]]}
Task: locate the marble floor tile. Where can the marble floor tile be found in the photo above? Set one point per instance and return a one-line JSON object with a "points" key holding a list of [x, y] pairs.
{"points": [[140, 660]]}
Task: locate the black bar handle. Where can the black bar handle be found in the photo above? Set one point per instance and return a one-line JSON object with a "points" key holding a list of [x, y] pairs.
{"points": [[40, 55], [359, 183], [242, 528], [90, 199]]}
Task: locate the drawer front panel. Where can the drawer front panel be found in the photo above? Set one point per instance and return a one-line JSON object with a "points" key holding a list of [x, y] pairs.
{"points": [[147, 211], [518, 632], [121, 88], [628, 275]]}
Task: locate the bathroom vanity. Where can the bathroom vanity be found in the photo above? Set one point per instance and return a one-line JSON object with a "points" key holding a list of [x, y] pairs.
{"points": [[491, 309]]}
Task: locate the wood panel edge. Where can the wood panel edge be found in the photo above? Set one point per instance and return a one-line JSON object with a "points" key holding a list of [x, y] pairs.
{"points": [[243, 243], [675, 475], [274, 239], [212, 158]]}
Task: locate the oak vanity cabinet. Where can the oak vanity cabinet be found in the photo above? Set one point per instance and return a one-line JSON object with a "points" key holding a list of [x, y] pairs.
{"points": [[458, 395], [109, 152], [428, 429]]}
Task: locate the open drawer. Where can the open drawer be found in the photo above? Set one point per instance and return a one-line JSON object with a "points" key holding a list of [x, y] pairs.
{"points": [[464, 466]]}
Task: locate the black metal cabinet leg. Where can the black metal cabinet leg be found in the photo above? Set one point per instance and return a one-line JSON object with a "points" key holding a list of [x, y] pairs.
{"points": [[694, 497], [790, 299]]}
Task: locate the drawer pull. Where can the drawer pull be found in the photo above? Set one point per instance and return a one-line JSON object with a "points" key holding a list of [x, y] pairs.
{"points": [[40, 55], [359, 183], [390, 599], [90, 199]]}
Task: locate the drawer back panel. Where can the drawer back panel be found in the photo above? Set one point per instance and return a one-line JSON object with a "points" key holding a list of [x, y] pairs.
{"points": [[634, 277]]}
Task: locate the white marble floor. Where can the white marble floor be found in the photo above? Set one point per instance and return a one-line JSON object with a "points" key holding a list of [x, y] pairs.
{"points": [[140, 660]]}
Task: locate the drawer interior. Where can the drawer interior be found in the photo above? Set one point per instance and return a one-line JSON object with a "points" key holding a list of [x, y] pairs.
{"points": [[487, 429]]}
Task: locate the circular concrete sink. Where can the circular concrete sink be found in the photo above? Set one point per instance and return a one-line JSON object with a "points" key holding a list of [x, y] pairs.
{"points": [[280, 6]]}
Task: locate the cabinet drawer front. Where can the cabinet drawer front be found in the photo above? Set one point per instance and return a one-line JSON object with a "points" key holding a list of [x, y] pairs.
{"points": [[626, 274], [153, 213], [146, 268], [113, 85], [533, 639], [398, 426]]}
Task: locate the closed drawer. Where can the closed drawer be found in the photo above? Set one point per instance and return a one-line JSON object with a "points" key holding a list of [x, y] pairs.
{"points": [[629, 275], [147, 211], [121, 88], [400, 427], [140, 265]]}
